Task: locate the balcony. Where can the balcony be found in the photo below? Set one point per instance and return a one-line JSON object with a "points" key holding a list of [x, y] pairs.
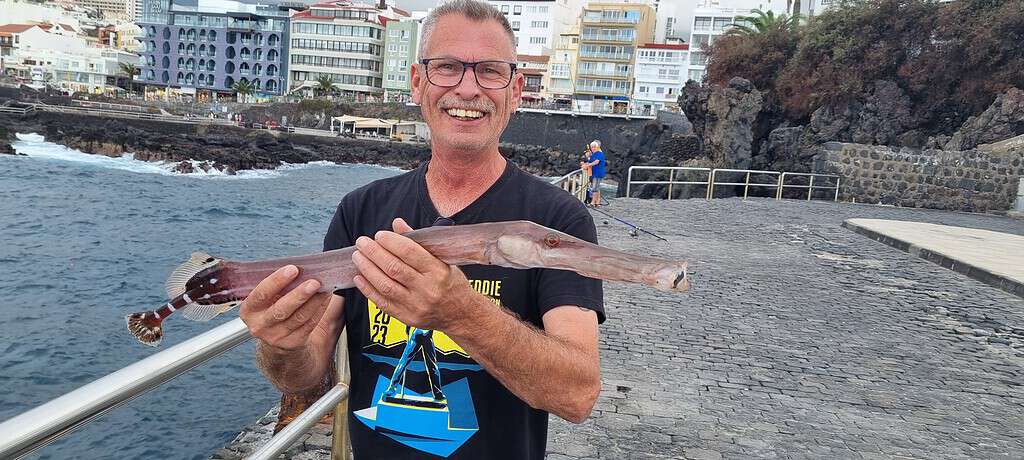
{"points": [[590, 18], [603, 74], [606, 38], [532, 88], [603, 90], [609, 56]]}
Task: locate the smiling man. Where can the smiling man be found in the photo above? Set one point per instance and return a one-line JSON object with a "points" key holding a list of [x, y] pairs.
{"points": [[453, 362]]}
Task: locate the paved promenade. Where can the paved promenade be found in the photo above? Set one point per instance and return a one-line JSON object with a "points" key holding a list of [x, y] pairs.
{"points": [[801, 339]]}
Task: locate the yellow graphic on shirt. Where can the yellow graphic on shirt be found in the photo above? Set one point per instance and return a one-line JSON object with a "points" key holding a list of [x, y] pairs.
{"points": [[389, 331]]}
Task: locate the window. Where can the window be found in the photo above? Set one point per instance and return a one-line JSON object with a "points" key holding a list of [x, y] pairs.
{"points": [[391, 77], [393, 32], [504, 9], [702, 23], [403, 64], [659, 90], [538, 40], [515, 25], [539, 24], [391, 63], [518, 9], [542, 10]]}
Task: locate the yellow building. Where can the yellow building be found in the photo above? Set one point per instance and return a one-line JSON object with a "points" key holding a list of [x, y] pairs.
{"points": [[609, 36]]}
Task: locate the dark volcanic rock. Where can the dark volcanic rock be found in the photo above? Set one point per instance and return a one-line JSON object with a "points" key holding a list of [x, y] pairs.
{"points": [[1002, 120], [731, 113], [878, 117]]}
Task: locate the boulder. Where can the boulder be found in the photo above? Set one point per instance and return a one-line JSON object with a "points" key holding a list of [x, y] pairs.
{"points": [[1001, 120], [731, 112], [878, 117]]}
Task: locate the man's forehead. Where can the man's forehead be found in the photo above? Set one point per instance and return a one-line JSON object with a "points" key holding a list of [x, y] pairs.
{"points": [[459, 37]]}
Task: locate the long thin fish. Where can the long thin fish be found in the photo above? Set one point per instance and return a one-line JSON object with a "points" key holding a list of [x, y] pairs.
{"points": [[206, 286]]}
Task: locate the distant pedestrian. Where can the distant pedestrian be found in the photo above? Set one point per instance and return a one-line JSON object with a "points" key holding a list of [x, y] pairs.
{"points": [[599, 168]]}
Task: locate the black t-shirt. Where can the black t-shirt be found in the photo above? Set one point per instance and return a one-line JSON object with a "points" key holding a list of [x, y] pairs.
{"points": [[470, 415]]}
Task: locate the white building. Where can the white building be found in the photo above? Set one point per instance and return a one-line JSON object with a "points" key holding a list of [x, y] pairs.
{"points": [[51, 54], [343, 40], [562, 67], [660, 76], [671, 20], [537, 23], [712, 19], [22, 12]]}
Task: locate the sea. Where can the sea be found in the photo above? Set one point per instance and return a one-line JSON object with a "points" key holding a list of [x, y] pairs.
{"points": [[87, 239]]}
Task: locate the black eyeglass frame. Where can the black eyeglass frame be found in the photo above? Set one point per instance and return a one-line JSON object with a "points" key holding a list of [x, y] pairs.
{"points": [[466, 66]]}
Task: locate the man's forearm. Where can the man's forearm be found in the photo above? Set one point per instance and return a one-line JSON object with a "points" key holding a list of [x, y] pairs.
{"points": [[290, 371], [546, 372]]}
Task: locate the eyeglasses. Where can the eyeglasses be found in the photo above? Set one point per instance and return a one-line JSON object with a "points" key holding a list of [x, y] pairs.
{"points": [[448, 73]]}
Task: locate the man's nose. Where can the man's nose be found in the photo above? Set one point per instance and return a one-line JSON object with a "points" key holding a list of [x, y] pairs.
{"points": [[468, 87]]}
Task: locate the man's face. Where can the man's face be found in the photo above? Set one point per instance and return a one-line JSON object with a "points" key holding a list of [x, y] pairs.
{"points": [[458, 37]]}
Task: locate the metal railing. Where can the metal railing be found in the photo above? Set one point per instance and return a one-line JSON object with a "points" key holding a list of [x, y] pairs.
{"points": [[832, 182], [810, 185], [671, 177], [746, 182], [38, 427], [575, 183]]}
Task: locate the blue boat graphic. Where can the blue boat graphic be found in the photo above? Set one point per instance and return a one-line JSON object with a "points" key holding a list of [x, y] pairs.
{"points": [[417, 421]]}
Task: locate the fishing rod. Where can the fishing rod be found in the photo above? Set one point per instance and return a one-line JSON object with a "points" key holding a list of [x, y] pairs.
{"points": [[635, 227]]}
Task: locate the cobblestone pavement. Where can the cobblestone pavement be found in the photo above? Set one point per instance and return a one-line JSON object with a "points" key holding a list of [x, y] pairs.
{"points": [[801, 339]]}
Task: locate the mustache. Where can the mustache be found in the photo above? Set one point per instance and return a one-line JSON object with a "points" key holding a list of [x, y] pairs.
{"points": [[455, 102]]}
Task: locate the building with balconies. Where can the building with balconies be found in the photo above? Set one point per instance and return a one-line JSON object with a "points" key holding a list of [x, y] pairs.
{"points": [[344, 40], [537, 23], [660, 76], [562, 68], [534, 70], [400, 54], [609, 36], [201, 48]]}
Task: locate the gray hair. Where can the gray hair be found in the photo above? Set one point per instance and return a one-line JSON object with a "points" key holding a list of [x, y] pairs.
{"points": [[473, 9]]}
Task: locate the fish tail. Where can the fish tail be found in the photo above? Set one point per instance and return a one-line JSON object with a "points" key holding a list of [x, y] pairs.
{"points": [[147, 326]]}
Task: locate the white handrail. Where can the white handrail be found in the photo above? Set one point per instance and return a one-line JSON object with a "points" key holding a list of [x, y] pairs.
{"points": [[301, 424], [23, 434], [712, 181]]}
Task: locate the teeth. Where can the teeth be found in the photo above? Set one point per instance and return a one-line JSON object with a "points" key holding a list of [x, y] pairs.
{"points": [[463, 113]]}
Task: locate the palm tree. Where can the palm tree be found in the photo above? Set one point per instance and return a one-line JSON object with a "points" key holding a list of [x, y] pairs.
{"points": [[324, 84], [764, 22], [131, 70], [242, 89]]}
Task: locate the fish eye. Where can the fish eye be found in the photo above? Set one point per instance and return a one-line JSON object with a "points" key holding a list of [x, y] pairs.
{"points": [[552, 240], [211, 259]]}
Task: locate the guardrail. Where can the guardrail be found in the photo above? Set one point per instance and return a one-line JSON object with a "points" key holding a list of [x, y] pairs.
{"points": [[575, 183], [34, 429], [18, 110], [671, 179], [832, 182]]}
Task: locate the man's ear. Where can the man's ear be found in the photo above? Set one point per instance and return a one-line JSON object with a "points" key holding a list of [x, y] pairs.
{"points": [[518, 81], [415, 78]]}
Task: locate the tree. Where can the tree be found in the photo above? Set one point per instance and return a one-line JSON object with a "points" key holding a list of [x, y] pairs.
{"points": [[242, 89], [757, 50], [325, 84], [763, 22], [131, 70]]}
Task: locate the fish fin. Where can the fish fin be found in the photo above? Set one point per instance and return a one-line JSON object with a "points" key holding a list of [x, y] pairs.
{"points": [[146, 326], [200, 312], [175, 285]]}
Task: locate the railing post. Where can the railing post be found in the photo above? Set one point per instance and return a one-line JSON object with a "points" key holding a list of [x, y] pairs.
{"points": [[340, 447], [837, 189], [746, 185], [711, 184], [782, 185], [810, 188]]}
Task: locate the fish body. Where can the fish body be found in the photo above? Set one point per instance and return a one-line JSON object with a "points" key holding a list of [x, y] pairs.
{"points": [[206, 286]]}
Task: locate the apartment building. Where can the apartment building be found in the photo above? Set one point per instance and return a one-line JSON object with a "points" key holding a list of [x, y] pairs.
{"points": [[537, 23], [344, 40], [121, 10], [400, 54], [534, 70], [609, 36], [562, 68], [660, 76], [201, 48], [52, 54]]}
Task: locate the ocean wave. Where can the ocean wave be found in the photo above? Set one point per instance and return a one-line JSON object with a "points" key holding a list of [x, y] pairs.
{"points": [[36, 146]]}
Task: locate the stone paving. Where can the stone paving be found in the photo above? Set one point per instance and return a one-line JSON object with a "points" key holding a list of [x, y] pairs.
{"points": [[801, 339]]}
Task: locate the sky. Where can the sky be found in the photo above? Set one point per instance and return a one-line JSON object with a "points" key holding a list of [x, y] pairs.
{"points": [[417, 5]]}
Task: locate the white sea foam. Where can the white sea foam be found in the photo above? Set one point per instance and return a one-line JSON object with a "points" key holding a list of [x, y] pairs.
{"points": [[35, 146]]}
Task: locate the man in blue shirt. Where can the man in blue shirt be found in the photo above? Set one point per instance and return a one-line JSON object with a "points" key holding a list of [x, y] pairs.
{"points": [[599, 168]]}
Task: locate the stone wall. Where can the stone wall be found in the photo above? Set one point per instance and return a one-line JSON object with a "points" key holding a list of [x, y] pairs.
{"points": [[984, 179], [571, 133]]}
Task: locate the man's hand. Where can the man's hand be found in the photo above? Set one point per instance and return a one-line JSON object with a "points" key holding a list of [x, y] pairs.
{"points": [[294, 320], [407, 282], [296, 332]]}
